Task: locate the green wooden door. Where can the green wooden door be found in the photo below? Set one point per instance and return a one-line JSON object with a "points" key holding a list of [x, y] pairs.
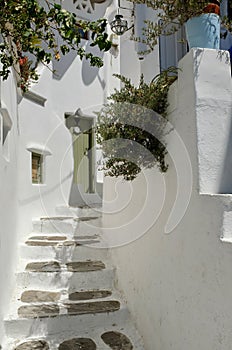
{"points": [[84, 161]]}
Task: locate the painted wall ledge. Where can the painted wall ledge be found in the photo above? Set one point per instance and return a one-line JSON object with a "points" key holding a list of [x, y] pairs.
{"points": [[204, 90], [36, 98]]}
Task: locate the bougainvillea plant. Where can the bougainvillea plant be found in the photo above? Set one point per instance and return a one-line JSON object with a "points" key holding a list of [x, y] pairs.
{"points": [[43, 31]]}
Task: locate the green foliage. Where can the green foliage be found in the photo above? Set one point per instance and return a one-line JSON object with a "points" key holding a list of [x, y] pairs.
{"points": [[129, 130], [46, 31], [171, 14]]}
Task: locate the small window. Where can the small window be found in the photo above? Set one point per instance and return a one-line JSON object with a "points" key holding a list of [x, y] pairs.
{"points": [[37, 168]]}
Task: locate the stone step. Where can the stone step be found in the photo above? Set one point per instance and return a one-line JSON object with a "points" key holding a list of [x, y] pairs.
{"points": [[62, 252], [70, 242], [117, 340], [87, 219], [61, 238], [38, 296], [52, 310], [44, 266], [74, 266], [65, 297], [89, 294], [46, 240], [87, 226], [81, 318], [92, 307], [57, 238], [101, 279], [79, 212], [81, 343], [33, 344], [46, 296], [53, 225], [84, 266], [88, 337], [42, 310], [77, 226]]}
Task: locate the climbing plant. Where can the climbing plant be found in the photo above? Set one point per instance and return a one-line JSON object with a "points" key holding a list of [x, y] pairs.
{"points": [[39, 31], [129, 120]]}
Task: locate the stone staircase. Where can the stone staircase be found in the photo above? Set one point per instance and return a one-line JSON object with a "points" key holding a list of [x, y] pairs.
{"points": [[66, 297]]}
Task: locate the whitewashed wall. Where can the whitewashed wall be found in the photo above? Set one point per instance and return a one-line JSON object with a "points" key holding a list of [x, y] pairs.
{"points": [[9, 159], [75, 85], [178, 284]]}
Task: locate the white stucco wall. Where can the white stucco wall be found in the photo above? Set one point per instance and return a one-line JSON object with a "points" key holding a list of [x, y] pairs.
{"points": [[178, 285], [74, 85], [8, 195], [37, 127], [81, 86]]}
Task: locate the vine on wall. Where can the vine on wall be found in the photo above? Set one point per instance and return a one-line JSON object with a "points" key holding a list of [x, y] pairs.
{"points": [[43, 30]]}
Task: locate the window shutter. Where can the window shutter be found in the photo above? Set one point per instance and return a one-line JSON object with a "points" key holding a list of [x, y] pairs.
{"points": [[172, 48]]}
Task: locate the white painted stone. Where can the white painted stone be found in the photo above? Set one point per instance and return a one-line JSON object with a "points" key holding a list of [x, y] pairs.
{"points": [[89, 227], [78, 86], [94, 333], [98, 279], [16, 327], [79, 212], [227, 226], [213, 117], [53, 226], [178, 286], [63, 253]]}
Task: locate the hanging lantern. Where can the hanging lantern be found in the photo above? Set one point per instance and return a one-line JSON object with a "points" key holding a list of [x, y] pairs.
{"points": [[119, 25]]}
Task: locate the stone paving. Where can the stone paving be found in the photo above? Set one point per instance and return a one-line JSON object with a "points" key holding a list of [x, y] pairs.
{"points": [[117, 341], [33, 345], [84, 266], [33, 296], [90, 294]]}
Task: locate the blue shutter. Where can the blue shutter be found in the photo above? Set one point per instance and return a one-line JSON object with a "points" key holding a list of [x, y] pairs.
{"points": [[172, 48]]}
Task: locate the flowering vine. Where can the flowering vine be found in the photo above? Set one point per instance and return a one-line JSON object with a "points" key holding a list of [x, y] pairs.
{"points": [[38, 31]]}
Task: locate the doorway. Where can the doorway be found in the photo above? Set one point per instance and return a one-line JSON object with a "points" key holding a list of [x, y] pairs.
{"points": [[83, 152]]}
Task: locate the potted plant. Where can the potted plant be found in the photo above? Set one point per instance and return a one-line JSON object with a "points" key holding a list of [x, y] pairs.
{"points": [[204, 30], [201, 19]]}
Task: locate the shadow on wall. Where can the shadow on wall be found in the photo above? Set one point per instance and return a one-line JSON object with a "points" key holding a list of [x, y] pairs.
{"points": [[225, 185], [43, 193], [61, 67], [89, 73], [79, 198]]}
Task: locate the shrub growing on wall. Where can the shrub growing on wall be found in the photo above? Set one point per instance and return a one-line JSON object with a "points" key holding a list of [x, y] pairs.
{"points": [[131, 127]]}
